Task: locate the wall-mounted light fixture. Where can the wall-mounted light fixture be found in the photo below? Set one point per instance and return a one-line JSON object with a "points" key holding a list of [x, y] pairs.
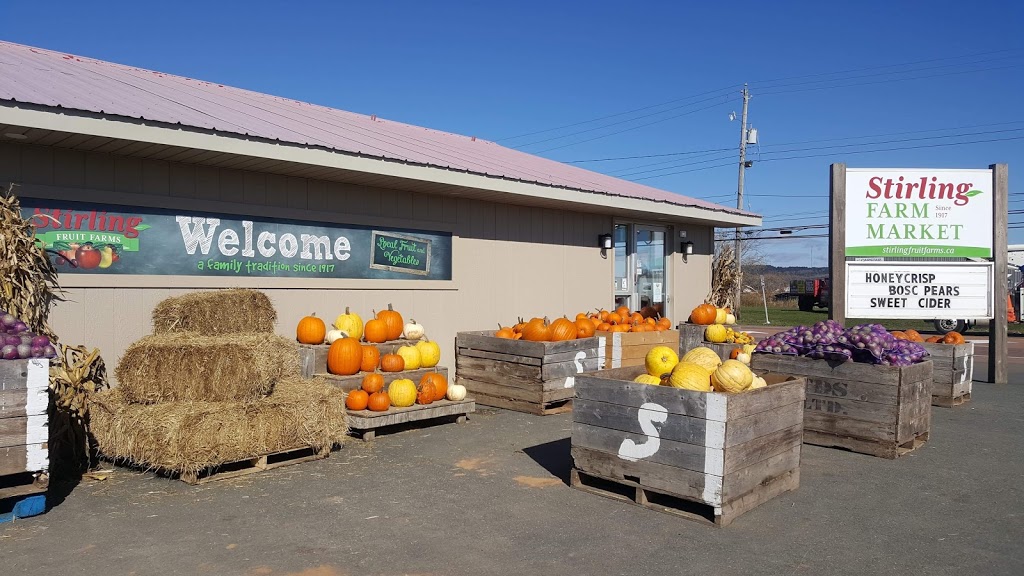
{"points": [[604, 241], [686, 248]]}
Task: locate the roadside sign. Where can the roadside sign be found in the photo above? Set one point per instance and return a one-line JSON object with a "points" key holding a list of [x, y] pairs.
{"points": [[919, 290]]}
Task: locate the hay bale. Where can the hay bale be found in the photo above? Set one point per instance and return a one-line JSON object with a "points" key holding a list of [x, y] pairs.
{"points": [[179, 367], [216, 312], [187, 437]]}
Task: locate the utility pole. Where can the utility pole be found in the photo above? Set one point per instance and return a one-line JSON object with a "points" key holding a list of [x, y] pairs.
{"points": [[739, 203]]}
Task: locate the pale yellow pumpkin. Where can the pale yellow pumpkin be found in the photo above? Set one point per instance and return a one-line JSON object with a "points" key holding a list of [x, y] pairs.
{"points": [[720, 315], [757, 382], [743, 357], [647, 379], [660, 360], [716, 333], [703, 356], [732, 376], [730, 319], [456, 392], [690, 376], [350, 323], [411, 355], [402, 392], [430, 353]]}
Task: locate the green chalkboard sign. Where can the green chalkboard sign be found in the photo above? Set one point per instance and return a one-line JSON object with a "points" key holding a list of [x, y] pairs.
{"points": [[400, 253]]}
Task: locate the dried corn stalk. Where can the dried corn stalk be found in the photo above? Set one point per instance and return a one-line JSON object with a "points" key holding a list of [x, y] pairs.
{"points": [[724, 277]]}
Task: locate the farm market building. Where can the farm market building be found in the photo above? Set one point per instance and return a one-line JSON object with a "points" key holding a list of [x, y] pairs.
{"points": [[155, 185]]}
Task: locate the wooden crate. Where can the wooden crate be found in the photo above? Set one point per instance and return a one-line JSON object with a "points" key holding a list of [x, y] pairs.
{"points": [[692, 336], [349, 383], [366, 423], [624, 349], [883, 411], [313, 357], [24, 432], [699, 455], [533, 377], [261, 463], [952, 372]]}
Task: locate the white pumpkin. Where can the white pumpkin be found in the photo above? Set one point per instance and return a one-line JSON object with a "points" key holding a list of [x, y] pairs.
{"points": [[730, 319], [743, 357], [456, 392], [413, 331], [757, 382], [335, 334]]}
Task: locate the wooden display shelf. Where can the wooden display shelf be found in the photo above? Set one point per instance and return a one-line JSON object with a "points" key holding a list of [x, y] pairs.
{"points": [[532, 377], [349, 383], [624, 349], [952, 372], [883, 411], [692, 336], [261, 463], [700, 455], [313, 357], [366, 423], [24, 429]]}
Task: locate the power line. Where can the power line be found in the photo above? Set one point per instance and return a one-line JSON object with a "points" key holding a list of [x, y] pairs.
{"points": [[786, 237], [937, 145], [770, 93], [649, 156]]}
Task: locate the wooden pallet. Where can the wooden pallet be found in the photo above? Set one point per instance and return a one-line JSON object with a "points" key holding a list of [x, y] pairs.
{"points": [[366, 423], [22, 495], [949, 402], [628, 490], [260, 463], [888, 450], [952, 372]]}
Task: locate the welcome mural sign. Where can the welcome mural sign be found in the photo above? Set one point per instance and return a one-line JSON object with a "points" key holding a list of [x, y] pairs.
{"points": [[918, 213], [100, 239]]}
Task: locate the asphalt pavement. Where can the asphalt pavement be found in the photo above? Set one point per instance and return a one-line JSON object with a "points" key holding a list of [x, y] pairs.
{"points": [[491, 497]]}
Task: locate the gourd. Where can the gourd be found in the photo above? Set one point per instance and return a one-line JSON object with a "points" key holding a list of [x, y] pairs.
{"points": [[732, 376], [704, 314], [456, 393], [660, 360], [703, 356], [335, 334], [350, 323], [715, 333], [734, 353], [647, 379], [372, 382], [721, 315], [440, 384], [411, 356], [743, 357], [690, 376], [357, 400], [310, 330], [392, 322], [370, 358], [344, 357], [379, 401], [425, 392], [402, 392], [756, 383], [413, 331], [430, 353], [563, 329], [376, 331], [392, 363], [730, 319]]}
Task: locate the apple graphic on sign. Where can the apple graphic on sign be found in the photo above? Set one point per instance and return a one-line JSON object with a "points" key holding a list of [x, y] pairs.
{"points": [[87, 256]]}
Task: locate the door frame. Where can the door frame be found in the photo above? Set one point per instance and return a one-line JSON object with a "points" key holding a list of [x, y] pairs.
{"points": [[631, 250]]}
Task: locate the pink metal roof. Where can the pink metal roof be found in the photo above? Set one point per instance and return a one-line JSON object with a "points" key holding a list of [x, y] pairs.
{"points": [[47, 78]]}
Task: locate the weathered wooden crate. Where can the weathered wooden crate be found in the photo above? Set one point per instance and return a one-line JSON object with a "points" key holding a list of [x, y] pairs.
{"points": [[313, 357], [349, 383], [22, 496], [952, 372], [624, 349], [692, 335], [260, 463], [533, 377], [366, 423], [699, 455], [24, 432], [883, 411]]}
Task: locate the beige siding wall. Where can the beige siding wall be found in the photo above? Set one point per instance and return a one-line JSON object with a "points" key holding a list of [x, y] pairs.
{"points": [[508, 260]]}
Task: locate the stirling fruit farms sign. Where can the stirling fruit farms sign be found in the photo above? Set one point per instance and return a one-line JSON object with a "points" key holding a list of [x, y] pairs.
{"points": [[912, 213], [94, 239]]}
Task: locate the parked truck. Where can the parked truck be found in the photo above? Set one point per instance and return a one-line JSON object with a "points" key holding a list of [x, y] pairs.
{"points": [[810, 292]]}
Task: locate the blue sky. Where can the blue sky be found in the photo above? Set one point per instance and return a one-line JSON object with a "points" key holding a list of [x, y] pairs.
{"points": [[911, 75]]}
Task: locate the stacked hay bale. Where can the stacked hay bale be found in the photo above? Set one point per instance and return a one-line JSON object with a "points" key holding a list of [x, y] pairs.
{"points": [[212, 386]]}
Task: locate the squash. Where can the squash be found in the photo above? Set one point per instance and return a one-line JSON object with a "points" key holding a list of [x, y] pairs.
{"points": [[392, 363], [310, 330], [716, 333], [704, 314], [584, 328], [743, 357], [412, 330], [376, 331], [721, 315], [703, 356], [392, 321], [350, 323], [357, 400], [563, 329], [379, 401], [372, 382], [370, 358], [344, 357], [439, 382], [756, 383], [647, 379], [402, 392], [425, 392], [730, 319], [430, 353], [537, 331], [456, 393], [953, 337], [690, 376], [732, 376], [335, 334], [734, 353], [411, 355], [660, 360]]}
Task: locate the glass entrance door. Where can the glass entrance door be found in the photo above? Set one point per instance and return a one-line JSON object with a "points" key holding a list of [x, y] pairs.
{"points": [[640, 276]]}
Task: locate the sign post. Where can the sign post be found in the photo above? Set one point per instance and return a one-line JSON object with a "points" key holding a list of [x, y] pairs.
{"points": [[998, 371]]}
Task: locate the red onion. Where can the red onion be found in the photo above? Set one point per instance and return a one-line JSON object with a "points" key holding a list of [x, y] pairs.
{"points": [[11, 339], [24, 350], [25, 338], [49, 351], [40, 341], [37, 351], [19, 327], [8, 320], [9, 352]]}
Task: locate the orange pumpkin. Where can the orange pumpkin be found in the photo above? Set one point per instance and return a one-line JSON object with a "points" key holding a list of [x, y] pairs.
{"points": [[439, 382], [622, 311], [392, 321], [373, 382], [357, 400], [665, 322], [582, 316], [392, 363], [615, 318], [506, 333], [704, 314], [425, 393], [344, 356], [519, 327], [584, 328], [537, 331], [934, 339], [734, 353], [604, 327], [603, 315], [311, 330], [899, 335], [379, 401], [913, 335], [375, 331], [636, 317], [370, 358], [953, 337], [563, 329]]}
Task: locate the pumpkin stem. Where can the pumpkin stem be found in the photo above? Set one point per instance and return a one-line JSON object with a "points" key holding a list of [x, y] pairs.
{"points": [[389, 306]]}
